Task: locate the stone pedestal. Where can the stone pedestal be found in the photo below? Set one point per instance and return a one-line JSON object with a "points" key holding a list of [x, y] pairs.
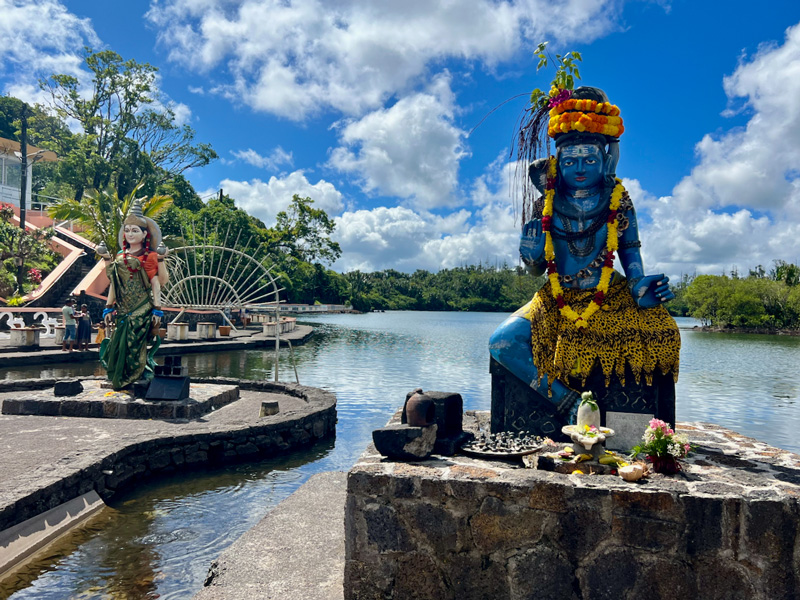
{"points": [[26, 336], [404, 442], [270, 328], [178, 331], [60, 329], [206, 331], [469, 529], [517, 407]]}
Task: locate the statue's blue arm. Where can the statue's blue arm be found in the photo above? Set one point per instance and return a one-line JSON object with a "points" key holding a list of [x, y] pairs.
{"points": [[647, 290]]}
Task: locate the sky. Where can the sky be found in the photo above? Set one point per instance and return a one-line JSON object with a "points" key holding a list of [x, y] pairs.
{"points": [[397, 117]]}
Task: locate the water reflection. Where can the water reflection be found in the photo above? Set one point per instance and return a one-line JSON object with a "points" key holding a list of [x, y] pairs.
{"points": [[162, 537], [159, 540]]}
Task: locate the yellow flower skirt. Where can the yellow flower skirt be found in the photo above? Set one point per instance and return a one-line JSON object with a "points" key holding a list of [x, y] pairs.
{"points": [[619, 333]]}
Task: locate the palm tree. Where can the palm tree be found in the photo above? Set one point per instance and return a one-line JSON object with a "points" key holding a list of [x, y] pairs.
{"points": [[102, 213]]}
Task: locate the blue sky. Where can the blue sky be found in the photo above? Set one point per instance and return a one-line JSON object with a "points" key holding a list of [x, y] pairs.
{"points": [[367, 107]]}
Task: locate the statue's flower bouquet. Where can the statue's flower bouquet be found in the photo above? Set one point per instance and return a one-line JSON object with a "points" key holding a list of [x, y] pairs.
{"points": [[663, 447]]}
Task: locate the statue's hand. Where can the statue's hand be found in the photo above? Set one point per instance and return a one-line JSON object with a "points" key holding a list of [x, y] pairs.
{"points": [[102, 251], [531, 243], [651, 291], [108, 316], [157, 314]]}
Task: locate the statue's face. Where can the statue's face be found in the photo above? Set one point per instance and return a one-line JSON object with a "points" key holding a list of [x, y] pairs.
{"points": [[582, 166], [133, 234]]}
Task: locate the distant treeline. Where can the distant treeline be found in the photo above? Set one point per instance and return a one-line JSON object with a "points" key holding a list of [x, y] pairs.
{"points": [[761, 300], [475, 288]]}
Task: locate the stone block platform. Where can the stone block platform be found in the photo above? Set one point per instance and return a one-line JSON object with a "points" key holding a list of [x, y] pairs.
{"points": [[464, 528], [96, 401]]}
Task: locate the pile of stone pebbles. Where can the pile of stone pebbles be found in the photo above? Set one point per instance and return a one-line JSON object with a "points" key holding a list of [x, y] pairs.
{"points": [[504, 443]]}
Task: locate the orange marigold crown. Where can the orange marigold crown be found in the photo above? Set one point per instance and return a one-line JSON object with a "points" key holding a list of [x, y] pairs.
{"points": [[584, 115]]}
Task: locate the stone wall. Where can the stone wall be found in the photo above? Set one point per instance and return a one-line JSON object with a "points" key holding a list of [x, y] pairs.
{"points": [[150, 455], [467, 529]]}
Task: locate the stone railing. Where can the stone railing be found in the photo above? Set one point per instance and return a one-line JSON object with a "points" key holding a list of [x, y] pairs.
{"points": [[461, 528]]}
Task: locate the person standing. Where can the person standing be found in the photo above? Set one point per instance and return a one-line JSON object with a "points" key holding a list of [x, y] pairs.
{"points": [[70, 325], [84, 328]]}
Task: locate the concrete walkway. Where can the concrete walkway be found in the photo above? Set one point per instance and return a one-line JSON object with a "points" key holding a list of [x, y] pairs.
{"points": [[45, 461], [296, 552]]}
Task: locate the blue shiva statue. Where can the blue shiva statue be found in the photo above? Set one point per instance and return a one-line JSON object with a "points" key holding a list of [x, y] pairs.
{"points": [[589, 327]]}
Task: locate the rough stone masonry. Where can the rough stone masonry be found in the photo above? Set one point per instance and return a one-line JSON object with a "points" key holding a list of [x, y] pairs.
{"points": [[461, 528]]}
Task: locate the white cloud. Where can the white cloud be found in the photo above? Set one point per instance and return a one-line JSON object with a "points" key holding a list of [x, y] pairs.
{"points": [[740, 206], [403, 239], [264, 200], [295, 58], [183, 114], [411, 150], [276, 158], [39, 38]]}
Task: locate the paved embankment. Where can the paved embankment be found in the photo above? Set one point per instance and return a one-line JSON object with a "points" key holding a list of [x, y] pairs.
{"points": [[245, 339], [45, 461], [296, 552]]}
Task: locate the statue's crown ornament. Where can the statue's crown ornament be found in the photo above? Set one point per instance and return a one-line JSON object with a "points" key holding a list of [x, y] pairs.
{"points": [[586, 110], [136, 216]]}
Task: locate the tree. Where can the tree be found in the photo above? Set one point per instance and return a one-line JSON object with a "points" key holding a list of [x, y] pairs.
{"points": [[19, 248], [10, 110], [102, 214], [787, 272], [304, 232], [125, 138]]}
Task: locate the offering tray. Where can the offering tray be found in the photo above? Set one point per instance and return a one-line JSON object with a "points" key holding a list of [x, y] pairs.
{"points": [[503, 445]]}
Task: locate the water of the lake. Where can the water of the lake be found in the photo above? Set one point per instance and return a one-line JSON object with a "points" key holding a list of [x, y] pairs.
{"points": [[160, 539]]}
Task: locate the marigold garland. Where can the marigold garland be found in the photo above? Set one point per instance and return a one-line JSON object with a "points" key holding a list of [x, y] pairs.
{"points": [[612, 244], [585, 115]]}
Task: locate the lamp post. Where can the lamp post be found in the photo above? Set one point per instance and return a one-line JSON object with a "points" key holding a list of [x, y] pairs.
{"points": [[23, 193]]}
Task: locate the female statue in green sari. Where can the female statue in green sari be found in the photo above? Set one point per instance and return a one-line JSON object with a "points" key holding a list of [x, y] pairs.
{"points": [[133, 310]]}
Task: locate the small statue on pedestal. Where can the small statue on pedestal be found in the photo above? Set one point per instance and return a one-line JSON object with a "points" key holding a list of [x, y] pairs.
{"points": [[133, 311]]}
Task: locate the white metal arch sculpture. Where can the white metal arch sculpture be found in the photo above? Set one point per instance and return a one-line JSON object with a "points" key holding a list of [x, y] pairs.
{"points": [[213, 276], [209, 276], [220, 278]]}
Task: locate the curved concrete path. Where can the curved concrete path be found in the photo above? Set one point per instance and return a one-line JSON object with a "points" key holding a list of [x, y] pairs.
{"points": [[48, 461]]}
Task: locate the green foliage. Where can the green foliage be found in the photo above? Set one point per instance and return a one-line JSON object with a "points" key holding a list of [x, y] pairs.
{"points": [[29, 246], [304, 232], [125, 140], [758, 301], [101, 214], [787, 272], [678, 306], [473, 288], [15, 301], [10, 111], [565, 76]]}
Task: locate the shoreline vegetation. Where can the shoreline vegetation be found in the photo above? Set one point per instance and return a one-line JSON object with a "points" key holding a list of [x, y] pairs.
{"points": [[760, 302], [758, 330]]}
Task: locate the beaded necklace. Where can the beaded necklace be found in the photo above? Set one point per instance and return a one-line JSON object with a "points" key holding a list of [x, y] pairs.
{"points": [[612, 243]]}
